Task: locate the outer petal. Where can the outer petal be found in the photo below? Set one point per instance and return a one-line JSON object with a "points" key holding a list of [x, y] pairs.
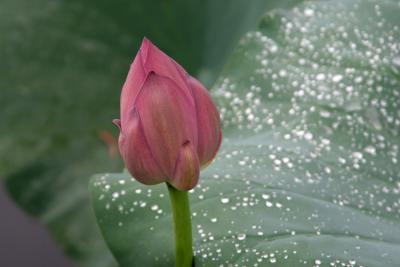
{"points": [[136, 153], [168, 118], [187, 168], [131, 88], [208, 123], [154, 60]]}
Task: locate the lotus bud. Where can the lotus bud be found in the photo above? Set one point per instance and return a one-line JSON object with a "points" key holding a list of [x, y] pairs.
{"points": [[169, 125]]}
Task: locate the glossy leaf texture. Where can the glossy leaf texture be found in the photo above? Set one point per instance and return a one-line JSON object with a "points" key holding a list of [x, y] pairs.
{"points": [[62, 67], [308, 173]]}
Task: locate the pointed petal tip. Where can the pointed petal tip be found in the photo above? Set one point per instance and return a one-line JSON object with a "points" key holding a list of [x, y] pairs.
{"points": [[145, 43], [117, 122], [144, 51], [146, 46]]}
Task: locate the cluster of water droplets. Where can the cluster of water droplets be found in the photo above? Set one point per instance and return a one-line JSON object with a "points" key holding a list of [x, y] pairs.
{"points": [[313, 111]]}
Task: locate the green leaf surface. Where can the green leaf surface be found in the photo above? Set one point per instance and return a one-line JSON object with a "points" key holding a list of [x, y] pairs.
{"points": [[61, 70], [308, 173]]}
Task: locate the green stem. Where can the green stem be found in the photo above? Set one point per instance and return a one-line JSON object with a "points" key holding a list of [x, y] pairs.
{"points": [[183, 227]]}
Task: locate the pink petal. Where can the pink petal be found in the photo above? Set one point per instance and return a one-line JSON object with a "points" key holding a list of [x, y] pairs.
{"points": [[153, 59], [136, 153], [168, 119], [131, 88], [187, 168], [208, 123]]}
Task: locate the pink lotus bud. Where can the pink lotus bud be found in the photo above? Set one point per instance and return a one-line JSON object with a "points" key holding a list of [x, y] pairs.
{"points": [[169, 126]]}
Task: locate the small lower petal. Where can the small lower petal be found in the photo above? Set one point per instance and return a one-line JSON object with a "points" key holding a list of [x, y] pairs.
{"points": [[187, 168]]}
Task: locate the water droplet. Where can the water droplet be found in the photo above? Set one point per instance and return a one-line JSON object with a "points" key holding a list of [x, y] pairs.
{"points": [[370, 150], [308, 12], [265, 196], [337, 78], [268, 204], [320, 77], [224, 200], [357, 155], [154, 207], [241, 237]]}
